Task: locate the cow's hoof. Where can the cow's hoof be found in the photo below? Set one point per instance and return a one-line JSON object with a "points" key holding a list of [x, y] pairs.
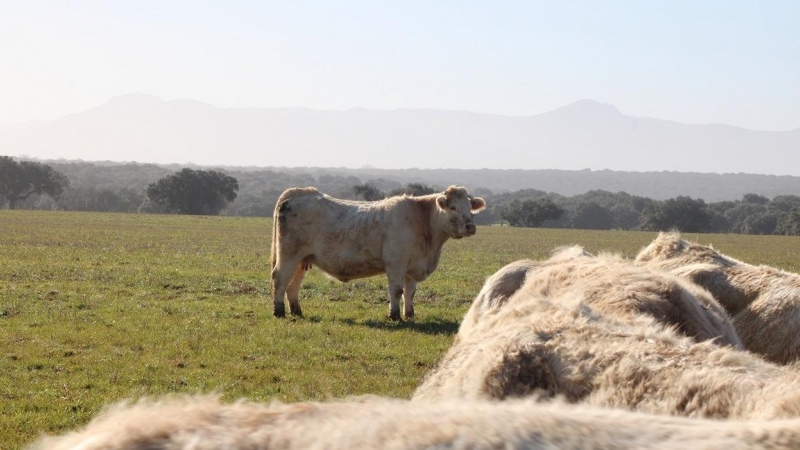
{"points": [[279, 311], [395, 316], [296, 311], [409, 314]]}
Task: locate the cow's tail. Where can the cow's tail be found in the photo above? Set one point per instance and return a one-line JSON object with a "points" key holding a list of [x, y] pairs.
{"points": [[274, 251]]}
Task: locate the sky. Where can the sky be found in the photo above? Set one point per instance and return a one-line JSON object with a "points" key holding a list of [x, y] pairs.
{"points": [[722, 61]]}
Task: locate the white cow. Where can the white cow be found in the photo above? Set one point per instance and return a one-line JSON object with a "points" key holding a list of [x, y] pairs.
{"points": [[399, 236]]}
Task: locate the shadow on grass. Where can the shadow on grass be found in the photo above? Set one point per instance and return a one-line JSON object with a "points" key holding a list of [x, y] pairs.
{"points": [[430, 326]]}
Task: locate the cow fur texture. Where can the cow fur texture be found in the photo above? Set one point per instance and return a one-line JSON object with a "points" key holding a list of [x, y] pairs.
{"points": [[202, 423], [763, 302], [606, 338], [399, 236], [609, 284]]}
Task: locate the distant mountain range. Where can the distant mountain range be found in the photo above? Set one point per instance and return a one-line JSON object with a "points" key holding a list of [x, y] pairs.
{"points": [[583, 135]]}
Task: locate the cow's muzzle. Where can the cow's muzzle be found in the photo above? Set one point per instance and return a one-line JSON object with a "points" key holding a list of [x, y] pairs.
{"points": [[470, 229]]}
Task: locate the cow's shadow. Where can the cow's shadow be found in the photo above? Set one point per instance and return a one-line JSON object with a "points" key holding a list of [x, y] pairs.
{"points": [[428, 326]]}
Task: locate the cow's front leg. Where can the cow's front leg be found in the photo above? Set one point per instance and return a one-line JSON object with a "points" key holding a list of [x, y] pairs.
{"points": [[409, 288], [395, 292]]}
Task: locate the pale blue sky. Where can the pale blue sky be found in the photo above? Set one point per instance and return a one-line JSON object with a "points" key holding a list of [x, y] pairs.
{"points": [[732, 62]]}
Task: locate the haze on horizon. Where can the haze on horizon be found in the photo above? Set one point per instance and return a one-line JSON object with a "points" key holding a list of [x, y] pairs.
{"points": [[726, 62]]}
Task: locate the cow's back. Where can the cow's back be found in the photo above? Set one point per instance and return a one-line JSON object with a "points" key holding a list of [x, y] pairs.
{"points": [[763, 301]]}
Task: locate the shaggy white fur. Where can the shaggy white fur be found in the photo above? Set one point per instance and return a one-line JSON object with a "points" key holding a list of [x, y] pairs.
{"points": [[205, 424], [600, 341], [611, 284], [763, 302]]}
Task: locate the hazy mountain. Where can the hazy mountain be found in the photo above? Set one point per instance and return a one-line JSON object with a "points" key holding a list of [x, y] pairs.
{"points": [[583, 135]]}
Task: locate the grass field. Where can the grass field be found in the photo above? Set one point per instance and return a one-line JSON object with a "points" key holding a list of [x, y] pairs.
{"points": [[96, 308]]}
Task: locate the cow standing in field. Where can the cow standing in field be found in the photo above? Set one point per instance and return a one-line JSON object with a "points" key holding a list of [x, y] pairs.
{"points": [[399, 236]]}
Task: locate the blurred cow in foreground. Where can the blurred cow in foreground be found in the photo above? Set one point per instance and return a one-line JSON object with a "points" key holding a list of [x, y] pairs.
{"points": [[611, 285], [605, 332], [204, 424], [763, 302]]}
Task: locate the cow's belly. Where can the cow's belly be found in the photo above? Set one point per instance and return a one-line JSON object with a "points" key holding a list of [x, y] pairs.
{"points": [[346, 269]]}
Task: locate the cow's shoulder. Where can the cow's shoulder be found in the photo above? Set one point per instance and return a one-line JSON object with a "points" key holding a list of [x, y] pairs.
{"points": [[415, 216], [407, 209]]}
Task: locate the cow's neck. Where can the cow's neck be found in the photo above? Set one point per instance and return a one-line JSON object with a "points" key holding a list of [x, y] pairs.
{"points": [[434, 225], [439, 236], [438, 240]]}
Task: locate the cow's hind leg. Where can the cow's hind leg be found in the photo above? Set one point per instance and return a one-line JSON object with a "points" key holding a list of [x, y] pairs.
{"points": [[293, 291], [409, 288], [395, 278], [282, 275]]}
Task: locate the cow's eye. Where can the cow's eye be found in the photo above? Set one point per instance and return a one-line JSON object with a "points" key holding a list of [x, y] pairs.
{"points": [[452, 208]]}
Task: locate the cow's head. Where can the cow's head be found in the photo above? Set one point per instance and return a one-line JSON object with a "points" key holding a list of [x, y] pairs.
{"points": [[459, 207]]}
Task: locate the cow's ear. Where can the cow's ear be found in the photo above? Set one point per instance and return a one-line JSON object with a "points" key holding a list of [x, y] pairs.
{"points": [[441, 202], [477, 204]]}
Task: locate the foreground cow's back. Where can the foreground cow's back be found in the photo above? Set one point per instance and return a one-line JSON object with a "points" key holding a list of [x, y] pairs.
{"points": [[601, 342], [205, 424], [610, 284], [763, 302], [400, 236]]}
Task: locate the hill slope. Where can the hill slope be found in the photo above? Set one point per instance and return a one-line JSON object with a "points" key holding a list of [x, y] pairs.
{"points": [[583, 135]]}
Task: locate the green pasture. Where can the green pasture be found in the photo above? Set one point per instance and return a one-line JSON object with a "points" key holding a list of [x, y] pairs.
{"points": [[96, 308]]}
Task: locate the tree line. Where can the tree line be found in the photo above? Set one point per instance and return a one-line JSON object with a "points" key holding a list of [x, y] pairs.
{"points": [[603, 210], [80, 186], [188, 191]]}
